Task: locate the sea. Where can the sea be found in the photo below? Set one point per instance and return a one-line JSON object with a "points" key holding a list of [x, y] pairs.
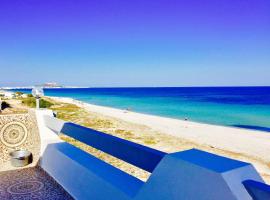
{"points": [[242, 107]]}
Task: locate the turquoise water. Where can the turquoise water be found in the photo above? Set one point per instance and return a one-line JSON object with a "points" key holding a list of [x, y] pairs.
{"points": [[246, 107]]}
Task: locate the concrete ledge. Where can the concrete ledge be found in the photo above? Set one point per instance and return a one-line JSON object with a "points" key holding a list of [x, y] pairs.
{"points": [[198, 175], [47, 136], [56, 125], [191, 174], [86, 177], [258, 190], [141, 156]]}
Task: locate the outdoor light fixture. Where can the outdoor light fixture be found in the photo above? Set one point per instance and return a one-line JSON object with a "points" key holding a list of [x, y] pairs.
{"points": [[37, 92]]}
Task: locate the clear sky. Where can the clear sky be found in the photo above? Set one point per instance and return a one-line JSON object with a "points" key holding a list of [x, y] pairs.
{"points": [[135, 42]]}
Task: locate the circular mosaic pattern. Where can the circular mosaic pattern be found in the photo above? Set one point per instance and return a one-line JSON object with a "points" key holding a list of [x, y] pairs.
{"points": [[25, 187], [13, 134]]}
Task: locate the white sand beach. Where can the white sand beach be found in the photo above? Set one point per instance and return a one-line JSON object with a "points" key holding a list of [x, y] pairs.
{"points": [[250, 145]]}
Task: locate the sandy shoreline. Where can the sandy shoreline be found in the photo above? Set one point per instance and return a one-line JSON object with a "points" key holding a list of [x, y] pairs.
{"points": [[250, 144]]}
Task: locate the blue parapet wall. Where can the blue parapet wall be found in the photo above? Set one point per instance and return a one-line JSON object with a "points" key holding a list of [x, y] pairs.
{"points": [[209, 161], [87, 177], [258, 190], [186, 175], [141, 156], [198, 175]]}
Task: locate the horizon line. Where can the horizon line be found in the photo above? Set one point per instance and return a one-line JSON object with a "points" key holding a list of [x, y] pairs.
{"points": [[85, 87]]}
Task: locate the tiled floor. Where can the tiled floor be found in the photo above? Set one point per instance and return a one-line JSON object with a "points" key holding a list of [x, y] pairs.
{"points": [[30, 184]]}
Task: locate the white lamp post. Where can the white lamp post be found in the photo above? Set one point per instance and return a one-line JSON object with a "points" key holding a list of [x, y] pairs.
{"points": [[37, 92]]}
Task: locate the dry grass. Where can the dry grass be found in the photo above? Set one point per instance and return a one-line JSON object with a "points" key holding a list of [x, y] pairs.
{"points": [[14, 107]]}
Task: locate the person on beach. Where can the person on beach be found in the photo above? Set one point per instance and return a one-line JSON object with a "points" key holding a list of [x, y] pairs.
{"points": [[186, 119], [127, 110]]}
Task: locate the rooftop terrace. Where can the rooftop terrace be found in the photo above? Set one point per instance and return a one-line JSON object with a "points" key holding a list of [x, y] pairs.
{"points": [[62, 171]]}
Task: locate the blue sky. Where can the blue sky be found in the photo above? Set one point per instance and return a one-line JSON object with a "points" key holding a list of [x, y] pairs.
{"points": [[135, 43]]}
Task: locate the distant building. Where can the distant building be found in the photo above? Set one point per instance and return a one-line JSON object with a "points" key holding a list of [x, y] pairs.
{"points": [[51, 85]]}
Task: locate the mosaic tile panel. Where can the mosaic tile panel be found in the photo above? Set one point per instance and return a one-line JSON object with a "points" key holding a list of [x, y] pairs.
{"points": [[18, 131], [30, 184]]}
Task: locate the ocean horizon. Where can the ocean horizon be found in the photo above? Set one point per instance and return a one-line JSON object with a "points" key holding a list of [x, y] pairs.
{"points": [[242, 107]]}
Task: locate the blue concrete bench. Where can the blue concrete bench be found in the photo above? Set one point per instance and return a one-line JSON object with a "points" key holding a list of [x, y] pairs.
{"points": [[141, 156], [191, 174], [84, 175], [257, 190]]}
